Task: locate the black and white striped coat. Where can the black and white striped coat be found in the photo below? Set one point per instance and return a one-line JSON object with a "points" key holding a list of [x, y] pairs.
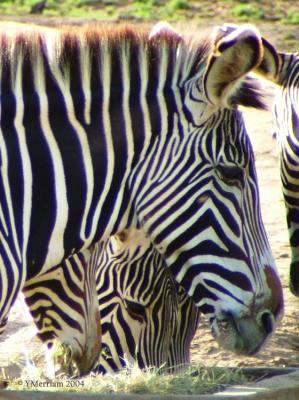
{"points": [[147, 319], [283, 69], [108, 128]]}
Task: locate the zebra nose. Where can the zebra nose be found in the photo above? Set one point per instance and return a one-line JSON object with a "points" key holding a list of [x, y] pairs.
{"points": [[267, 321]]}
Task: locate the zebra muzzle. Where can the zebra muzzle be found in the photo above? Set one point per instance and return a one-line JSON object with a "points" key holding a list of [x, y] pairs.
{"points": [[245, 335], [63, 361], [66, 364]]}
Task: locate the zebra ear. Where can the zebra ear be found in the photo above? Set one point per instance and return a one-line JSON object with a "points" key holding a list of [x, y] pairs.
{"points": [[122, 236], [119, 241], [237, 50], [271, 62]]}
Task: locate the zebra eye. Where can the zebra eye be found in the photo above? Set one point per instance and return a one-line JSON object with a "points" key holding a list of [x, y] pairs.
{"points": [[135, 310], [231, 174]]}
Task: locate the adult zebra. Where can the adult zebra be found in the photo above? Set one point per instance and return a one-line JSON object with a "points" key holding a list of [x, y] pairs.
{"points": [[116, 127], [283, 69]]}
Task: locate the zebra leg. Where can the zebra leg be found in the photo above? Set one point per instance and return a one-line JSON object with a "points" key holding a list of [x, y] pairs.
{"points": [[63, 303], [12, 272], [294, 277], [293, 228]]}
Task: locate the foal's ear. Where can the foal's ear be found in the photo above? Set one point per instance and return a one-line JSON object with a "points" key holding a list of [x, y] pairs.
{"points": [[270, 65], [236, 51], [119, 241]]}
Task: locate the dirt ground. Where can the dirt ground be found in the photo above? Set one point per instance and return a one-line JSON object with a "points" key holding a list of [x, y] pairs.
{"points": [[19, 344]]}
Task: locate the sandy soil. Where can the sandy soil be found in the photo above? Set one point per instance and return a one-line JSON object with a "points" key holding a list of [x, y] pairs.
{"points": [[19, 344]]}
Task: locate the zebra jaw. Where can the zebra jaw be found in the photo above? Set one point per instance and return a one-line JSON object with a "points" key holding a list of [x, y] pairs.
{"points": [[244, 335]]}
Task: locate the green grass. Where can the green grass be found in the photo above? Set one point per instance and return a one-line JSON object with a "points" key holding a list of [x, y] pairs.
{"points": [[196, 380], [246, 11], [292, 18], [142, 9], [200, 10]]}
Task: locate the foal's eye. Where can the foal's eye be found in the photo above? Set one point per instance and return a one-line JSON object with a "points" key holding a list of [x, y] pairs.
{"points": [[135, 310], [231, 174]]}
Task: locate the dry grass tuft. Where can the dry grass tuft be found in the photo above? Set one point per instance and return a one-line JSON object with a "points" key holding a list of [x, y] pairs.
{"points": [[197, 379]]}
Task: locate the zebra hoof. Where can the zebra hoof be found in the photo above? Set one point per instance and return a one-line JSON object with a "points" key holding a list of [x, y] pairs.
{"points": [[294, 278]]}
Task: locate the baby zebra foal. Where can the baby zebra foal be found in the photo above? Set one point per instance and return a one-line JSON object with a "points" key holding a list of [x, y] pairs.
{"points": [[146, 317]]}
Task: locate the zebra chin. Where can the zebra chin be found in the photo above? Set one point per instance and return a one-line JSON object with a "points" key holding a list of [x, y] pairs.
{"points": [[243, 335]]}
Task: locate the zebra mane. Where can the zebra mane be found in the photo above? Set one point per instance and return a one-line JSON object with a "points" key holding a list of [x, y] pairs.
{"points": [[64, 46], [92, 36], [61, 45]]}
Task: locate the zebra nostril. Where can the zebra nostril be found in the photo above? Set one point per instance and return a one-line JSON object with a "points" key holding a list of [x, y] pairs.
{"points": [[267, 320]]}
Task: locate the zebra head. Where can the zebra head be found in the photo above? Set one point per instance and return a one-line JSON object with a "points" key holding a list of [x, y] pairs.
{"points": [[283, 69], [146, 317], [199, 199], [63, 304], [138, 303]]}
